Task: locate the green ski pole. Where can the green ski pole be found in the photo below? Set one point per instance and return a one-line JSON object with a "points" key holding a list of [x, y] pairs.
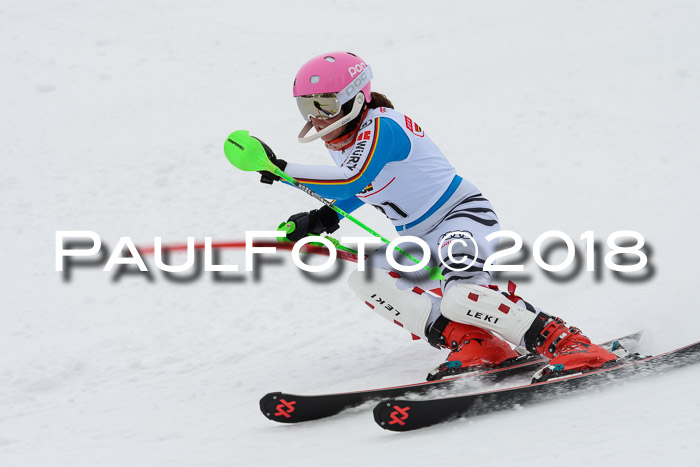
{"points": [[246, 153], [289, 227]]}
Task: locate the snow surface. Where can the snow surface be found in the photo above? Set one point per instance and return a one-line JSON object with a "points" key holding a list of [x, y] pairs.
{"points": [[569, 115]]}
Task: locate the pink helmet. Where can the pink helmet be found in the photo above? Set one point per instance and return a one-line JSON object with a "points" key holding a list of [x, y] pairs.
{"points": [[332, 73], [325, 83]]}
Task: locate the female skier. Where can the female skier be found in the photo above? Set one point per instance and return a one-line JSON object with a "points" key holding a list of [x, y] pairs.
{"points": [[385, 159]]}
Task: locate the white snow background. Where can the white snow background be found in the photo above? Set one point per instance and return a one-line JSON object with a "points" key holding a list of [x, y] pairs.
{"points": [[568, 115]]}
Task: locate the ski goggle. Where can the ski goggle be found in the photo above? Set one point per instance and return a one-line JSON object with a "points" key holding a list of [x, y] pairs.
{"points": [[327, 105], [321, 106]]}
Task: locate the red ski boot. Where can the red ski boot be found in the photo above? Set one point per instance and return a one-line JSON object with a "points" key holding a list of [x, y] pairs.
{"points": [[472, 348], [570, 351]]}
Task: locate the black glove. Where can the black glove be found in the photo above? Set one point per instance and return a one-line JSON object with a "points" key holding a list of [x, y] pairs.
{"points": [[313, 222], [269, 177]]}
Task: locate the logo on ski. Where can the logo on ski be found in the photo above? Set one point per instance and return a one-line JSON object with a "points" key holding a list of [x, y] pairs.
{"points": [[399, 415], [285, 408]]}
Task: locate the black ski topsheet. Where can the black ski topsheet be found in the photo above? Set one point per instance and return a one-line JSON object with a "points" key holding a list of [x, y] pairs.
{"points": [[405, 415], [292, 408]]}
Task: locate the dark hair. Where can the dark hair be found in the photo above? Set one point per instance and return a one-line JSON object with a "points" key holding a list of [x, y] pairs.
{"points": [[379, 100]]}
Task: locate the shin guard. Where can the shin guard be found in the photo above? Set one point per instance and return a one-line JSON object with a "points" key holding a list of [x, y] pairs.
{"points": [[408, 308], [488, 309]]}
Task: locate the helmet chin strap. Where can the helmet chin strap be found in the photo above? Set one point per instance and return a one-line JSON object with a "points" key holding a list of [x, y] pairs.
{"points": [[345, 141], [356, 108]]}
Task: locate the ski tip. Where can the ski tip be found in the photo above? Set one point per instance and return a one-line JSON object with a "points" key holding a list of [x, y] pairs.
{"points": [[393, 415], [379, 412], [278, 407]]}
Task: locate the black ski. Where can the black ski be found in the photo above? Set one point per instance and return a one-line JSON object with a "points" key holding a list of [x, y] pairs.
{"points": [[292, 408], [405, 415]]}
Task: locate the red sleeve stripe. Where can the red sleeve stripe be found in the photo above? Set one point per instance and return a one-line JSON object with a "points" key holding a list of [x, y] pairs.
{"points": [[354, 177]]}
